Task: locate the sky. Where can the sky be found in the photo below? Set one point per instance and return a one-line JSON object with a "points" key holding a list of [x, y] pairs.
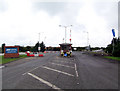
{"points": [[92, 22]]}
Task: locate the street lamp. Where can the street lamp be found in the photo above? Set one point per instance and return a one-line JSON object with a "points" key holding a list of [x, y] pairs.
{"points": [[87, 37], [39, 41], [65, 30], [88, 45]]}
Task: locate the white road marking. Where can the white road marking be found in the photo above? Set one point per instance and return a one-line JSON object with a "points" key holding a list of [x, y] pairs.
{"points": [[45, 82], [64, 62], [62, 65], [76, 70], [31, 70], [57, 71], [2, 67]]}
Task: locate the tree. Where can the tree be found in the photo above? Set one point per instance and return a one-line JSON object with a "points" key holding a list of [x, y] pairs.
{"points": [[42, 46], [116, 51], [3, 45], [28, 48], [56, 49], [109, 48], [35, 48], [21, 49]]}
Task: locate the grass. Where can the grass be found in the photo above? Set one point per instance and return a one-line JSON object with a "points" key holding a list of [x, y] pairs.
{"points": [[111, 57], [7, 60]]}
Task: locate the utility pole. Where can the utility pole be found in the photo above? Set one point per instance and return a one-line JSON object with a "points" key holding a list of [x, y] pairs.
{"points": [[113, 31], [113, 45], [65, 32], [44, 39], [45, 42]]}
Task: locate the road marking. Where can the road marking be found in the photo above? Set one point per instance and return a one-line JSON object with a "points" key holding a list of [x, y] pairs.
{"points": [[2, 67], [64, 62], [76, 70], [45, 82], [57, 57], [62, 65], [57, 71], [30, 70]]}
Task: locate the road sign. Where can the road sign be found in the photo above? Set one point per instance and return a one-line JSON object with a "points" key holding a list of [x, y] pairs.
{"points": [[11, 50], [39, 48]]}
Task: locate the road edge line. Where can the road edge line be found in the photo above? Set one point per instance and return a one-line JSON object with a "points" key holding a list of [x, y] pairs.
{"points": [[76, 70]]}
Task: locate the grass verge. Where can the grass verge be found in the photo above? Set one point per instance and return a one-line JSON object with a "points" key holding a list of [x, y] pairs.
{"points": [[111, 57], [7, 60]]}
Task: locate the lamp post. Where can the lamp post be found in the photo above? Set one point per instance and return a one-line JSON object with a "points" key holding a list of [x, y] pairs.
{"points": [[65, 30], [88, 46], [87, 37], [45, 42], [113, 31], [39, 41]]}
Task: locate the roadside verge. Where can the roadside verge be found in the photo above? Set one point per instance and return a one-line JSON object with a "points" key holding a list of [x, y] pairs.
{"points": [[104, 56], [7, 60]]}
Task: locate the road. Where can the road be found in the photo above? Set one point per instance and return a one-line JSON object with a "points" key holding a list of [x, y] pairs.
{"points": [[81, 71]]}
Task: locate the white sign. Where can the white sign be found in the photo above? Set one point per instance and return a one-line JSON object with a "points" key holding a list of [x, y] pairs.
{"points": [[39, 48]]}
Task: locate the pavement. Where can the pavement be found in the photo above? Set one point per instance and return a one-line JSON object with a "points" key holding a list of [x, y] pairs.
{"points": [[81, 71]]}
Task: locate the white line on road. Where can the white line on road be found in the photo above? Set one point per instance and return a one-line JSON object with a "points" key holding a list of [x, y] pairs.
{"points": [[2, 67], [45, 82], [62, 65], [76, 70], [57, 71], [31, 70], [64, 62]]}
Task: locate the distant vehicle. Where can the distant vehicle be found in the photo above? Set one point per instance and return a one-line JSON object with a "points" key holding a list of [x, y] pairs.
{"points": [[66, 49]]}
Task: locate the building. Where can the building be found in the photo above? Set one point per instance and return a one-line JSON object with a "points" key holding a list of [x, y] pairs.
{"points": [[65, 49]]}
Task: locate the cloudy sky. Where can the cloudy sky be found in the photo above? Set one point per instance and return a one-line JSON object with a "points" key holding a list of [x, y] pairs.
{"points": [[21, 21]]}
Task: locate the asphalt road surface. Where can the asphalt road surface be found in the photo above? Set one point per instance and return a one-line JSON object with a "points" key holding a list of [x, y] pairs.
{"points": [[81, 71]]}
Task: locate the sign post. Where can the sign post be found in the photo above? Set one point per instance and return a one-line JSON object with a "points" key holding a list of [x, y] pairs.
{"points": [[39, 49], [113, 32]]}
